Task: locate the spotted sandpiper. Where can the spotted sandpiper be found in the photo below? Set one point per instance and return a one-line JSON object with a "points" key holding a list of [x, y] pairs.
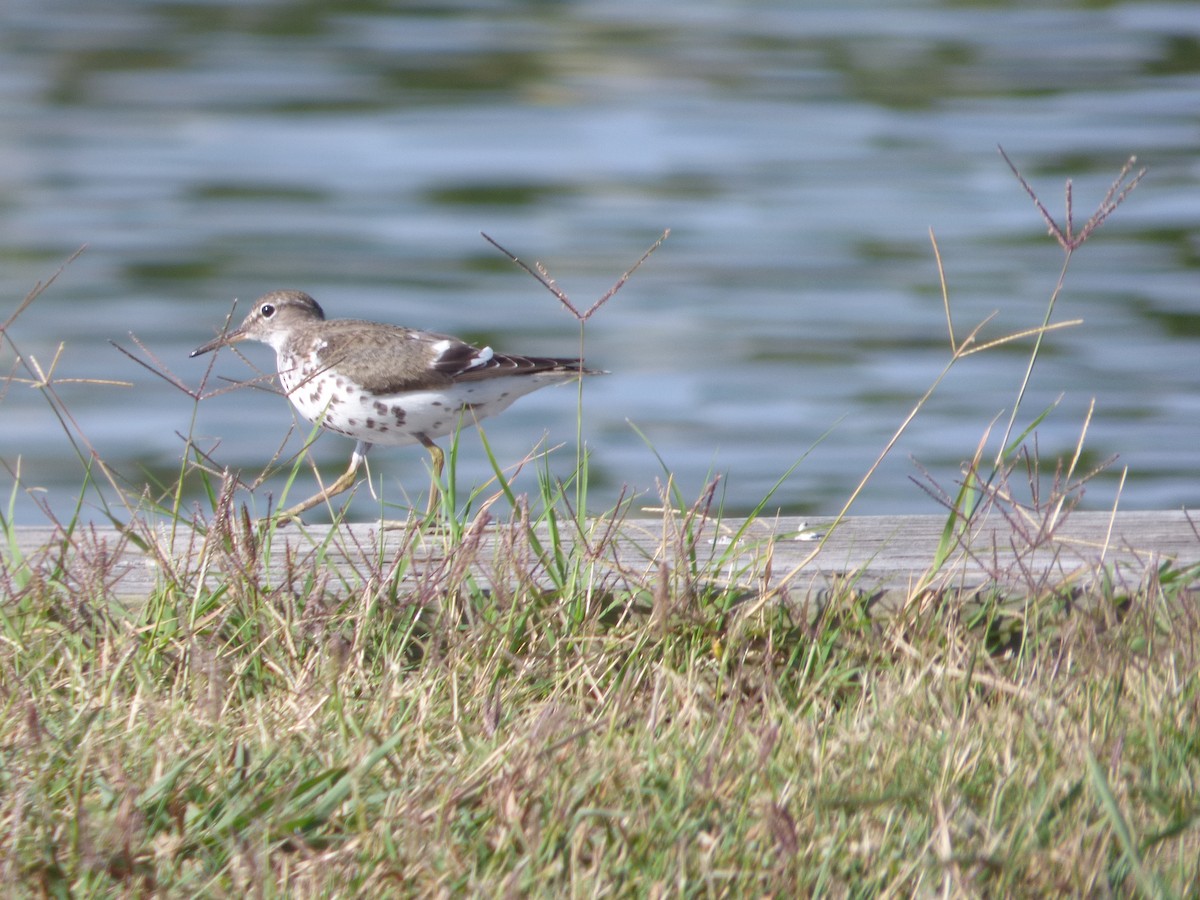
{"points": [[385, 384]]}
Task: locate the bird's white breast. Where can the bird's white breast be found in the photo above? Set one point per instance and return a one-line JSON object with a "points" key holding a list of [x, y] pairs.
{"points": [[397, 419]]}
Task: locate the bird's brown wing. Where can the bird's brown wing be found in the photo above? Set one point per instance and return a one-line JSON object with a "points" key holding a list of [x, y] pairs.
{"points": [[383, 359], [391, 359]]}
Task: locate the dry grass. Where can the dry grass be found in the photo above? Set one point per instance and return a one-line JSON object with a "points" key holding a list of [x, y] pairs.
{"points": [[342, 730], [261, 738]]}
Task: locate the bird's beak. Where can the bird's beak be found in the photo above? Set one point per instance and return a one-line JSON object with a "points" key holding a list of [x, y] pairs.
{"points": [[231, 337]]}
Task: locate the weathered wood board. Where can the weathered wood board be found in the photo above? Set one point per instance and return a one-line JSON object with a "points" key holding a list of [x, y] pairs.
{"points": [[881, 556]]}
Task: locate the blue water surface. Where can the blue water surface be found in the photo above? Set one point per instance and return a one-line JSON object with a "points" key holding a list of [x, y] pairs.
{"points": [[801, 155]]}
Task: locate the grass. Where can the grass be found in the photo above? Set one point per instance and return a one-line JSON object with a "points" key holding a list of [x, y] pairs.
{"points": [[550, 714]]}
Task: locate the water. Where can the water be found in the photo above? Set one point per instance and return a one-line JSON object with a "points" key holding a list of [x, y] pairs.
{"points": [[799, 154]]}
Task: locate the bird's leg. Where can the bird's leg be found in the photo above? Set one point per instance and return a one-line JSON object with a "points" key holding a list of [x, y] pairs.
{"points": [[439, 463], [343, 483]]}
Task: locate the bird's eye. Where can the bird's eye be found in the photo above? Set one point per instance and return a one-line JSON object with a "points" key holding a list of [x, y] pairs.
{"points": [[267, 310]]}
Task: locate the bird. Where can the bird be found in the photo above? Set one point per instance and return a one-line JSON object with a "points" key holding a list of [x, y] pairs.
{"points": [[385, 384]]}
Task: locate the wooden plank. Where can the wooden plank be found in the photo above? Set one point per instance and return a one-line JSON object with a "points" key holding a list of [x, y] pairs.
{"points": [[886, 557]]}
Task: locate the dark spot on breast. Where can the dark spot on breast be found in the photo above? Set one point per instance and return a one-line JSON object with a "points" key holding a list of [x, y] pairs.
{"points": [[370, 423], [352, 422], [381, 407], [398, 412], [382, 428]]}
